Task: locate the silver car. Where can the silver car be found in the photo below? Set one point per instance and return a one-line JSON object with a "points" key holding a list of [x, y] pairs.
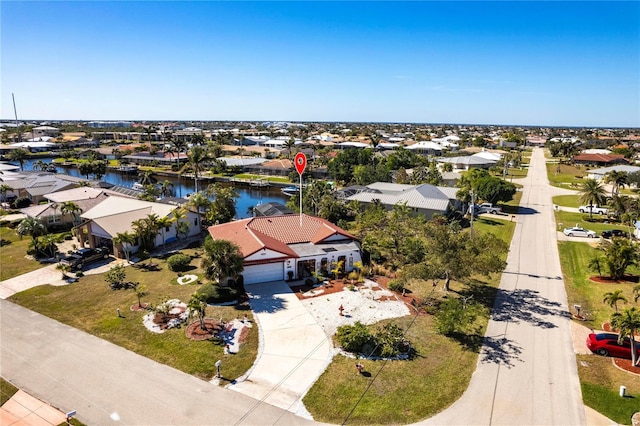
{"points": [[579, 232]]}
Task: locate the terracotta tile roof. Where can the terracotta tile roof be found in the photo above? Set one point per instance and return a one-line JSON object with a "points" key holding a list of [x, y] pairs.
{"points": [[600, 158], [276, 233]]}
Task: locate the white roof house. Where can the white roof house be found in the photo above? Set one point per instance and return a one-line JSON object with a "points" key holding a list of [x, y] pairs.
{"points": [[426, 147], [116, 215], [425, 199], [600, 173], [468, 162], [488, 155], [352, 145]]}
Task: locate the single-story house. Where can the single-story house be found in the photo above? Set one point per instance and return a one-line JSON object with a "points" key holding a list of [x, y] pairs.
{"points": [[289, 247], [599, 174], [426, 148], [423, 199], [468, 162], [600, 159], [116, 215]]}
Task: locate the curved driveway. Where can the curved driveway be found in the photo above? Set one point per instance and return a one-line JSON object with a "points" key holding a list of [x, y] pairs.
{"points": [[526, 372]]}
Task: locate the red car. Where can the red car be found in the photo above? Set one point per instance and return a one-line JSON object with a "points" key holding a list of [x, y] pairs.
{"points": [[607, 344]]}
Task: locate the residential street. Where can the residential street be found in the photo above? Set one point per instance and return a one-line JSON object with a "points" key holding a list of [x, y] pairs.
{"points": [[526, 372], [107, 384]]}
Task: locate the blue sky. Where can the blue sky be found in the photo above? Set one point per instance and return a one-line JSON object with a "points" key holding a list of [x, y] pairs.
{"points": [[539, 63]]}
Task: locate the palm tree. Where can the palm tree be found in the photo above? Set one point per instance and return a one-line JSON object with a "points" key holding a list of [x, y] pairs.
{"points": [[39, 165], [628, 324], [179, 146], [289, 145], [201, 203], [196, 156], [181, 226], [166, 190], [147, 178], [163, 224], [222, 259], [198, 304], [4, 188], [20, 155], [31, 227], [617, 179], [125, 240], [592, 193], [613, 297], [141, 291], [69, 207]]}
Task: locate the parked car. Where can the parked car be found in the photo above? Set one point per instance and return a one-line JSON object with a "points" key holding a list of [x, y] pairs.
{"points": [[579, 232], [485, 208], [606, 344], [593, 209], [614, 233], [79, 258]]}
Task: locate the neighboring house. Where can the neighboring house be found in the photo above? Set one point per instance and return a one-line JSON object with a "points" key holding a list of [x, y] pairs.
{"points": [[34, 185], [45, 131], [51, 215], [426, 148], [600, 159], [271, 209], [425, 199], [160, 157], [91, 154], [468, 162], [283, 247], [116, 215], [599, 174]]}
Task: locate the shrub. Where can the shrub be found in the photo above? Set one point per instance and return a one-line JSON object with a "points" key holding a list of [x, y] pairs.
{"points": [[20, 203], [353, 276], [178, 262], [396, 285], [309, 281], [353, 337], [217, 294], [390, 341]]}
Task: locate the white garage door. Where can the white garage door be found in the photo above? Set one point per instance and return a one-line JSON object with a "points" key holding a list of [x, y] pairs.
{"points": [[263, 273]]}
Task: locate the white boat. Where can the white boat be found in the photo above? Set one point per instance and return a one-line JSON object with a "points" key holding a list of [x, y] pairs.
{"points": [[138, 186], [290, 190]]}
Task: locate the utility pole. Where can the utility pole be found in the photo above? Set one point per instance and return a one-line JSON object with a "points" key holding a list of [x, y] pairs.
{"points": [[16, 115]]}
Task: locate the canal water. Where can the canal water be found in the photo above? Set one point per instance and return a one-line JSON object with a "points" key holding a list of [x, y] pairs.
{"points": [[249, 197]]}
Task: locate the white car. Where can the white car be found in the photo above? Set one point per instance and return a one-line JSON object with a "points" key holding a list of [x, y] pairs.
{"points": [[579, 232]]}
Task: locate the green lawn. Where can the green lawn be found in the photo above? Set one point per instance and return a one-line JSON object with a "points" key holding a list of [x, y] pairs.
{"points": [[598, 223], [407, 391], [279, 179], [90, 305], [7, 390], [567, 200], [13, 255], [568, 175], [601, 381]]}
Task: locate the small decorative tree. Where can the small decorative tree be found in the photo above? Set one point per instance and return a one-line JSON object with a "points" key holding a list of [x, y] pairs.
{"points": [[115, 276], [198, 305], [141, 291]]}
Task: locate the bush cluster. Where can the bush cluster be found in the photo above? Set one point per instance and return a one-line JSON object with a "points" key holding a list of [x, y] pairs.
{"points": [[178, 262], [218, 294], [396, 285], [386, 341]]}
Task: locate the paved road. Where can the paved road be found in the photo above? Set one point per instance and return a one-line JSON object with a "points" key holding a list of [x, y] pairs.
{"points": [[526, 372], [107, 384]]}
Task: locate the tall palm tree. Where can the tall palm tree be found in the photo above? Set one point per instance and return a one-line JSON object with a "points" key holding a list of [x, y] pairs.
{"points": [[178, 147], [31, 227], [613, 297], [20, 155], [201, 203], [69, 207], [289, 145], [196, 156], [39, 165], [125, 240], [617, 179], [164, 223], [628, 325], [182, 226], [166, 190], [147, 178], [592, 193]]}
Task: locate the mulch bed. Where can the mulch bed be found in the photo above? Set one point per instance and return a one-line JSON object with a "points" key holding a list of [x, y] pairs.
{"points": [[336, 286], [623, 364], [136, 307], [211, 328], [606, 280]]}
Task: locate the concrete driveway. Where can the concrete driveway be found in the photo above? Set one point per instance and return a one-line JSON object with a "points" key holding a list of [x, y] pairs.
{"points": [[50, 275], [293, 350]]}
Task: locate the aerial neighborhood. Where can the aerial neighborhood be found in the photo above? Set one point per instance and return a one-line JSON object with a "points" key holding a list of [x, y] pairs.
{"points": [[292, 262]]}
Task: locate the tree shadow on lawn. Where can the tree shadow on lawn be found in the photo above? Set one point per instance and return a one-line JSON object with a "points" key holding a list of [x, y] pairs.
{"points": [[526, 305]]}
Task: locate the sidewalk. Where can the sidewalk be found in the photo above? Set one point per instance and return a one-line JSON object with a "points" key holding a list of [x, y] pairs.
{"points": [[24, 409]]}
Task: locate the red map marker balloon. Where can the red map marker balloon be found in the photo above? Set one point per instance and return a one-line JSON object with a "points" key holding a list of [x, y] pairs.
{"points": [[301, 162]]}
